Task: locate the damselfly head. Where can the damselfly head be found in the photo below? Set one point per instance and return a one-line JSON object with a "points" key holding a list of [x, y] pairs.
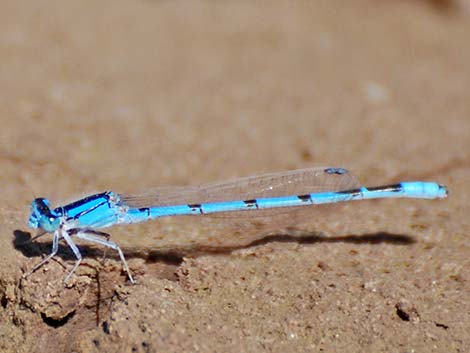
{"points": [[42, 217]]}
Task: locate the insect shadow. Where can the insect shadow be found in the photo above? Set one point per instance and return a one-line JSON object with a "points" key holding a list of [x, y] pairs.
{"points": [[22, 242]]}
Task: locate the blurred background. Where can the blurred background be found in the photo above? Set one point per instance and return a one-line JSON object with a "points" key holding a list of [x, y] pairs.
{"points": [[124, 95]]}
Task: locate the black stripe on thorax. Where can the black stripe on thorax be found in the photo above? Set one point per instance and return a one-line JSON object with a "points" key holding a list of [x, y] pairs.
{"points": [[75, 204], [85, 200]]}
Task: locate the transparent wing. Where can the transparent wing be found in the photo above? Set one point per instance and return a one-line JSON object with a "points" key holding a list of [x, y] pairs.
{"points": [[229, 230], [295, 182]]}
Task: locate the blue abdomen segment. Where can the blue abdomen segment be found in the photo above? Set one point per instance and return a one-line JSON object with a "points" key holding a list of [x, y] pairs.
{"points": [[410, 189], [136, 215], [425, 190], [417, 189]]}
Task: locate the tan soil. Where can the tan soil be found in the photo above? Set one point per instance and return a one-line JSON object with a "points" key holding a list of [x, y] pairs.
{"points": [[124, 95]]}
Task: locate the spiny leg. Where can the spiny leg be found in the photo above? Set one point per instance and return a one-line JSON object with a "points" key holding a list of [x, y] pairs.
{"points": [[74, 231], [93, 236], [106, 236], [55, 248], [100, 234], [75, 251]]}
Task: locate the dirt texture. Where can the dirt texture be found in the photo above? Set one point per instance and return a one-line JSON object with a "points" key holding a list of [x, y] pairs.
{"points": [[128, 95]]}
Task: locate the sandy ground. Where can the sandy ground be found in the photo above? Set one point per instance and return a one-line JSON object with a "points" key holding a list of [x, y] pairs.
{"points": [[125, 95]]}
